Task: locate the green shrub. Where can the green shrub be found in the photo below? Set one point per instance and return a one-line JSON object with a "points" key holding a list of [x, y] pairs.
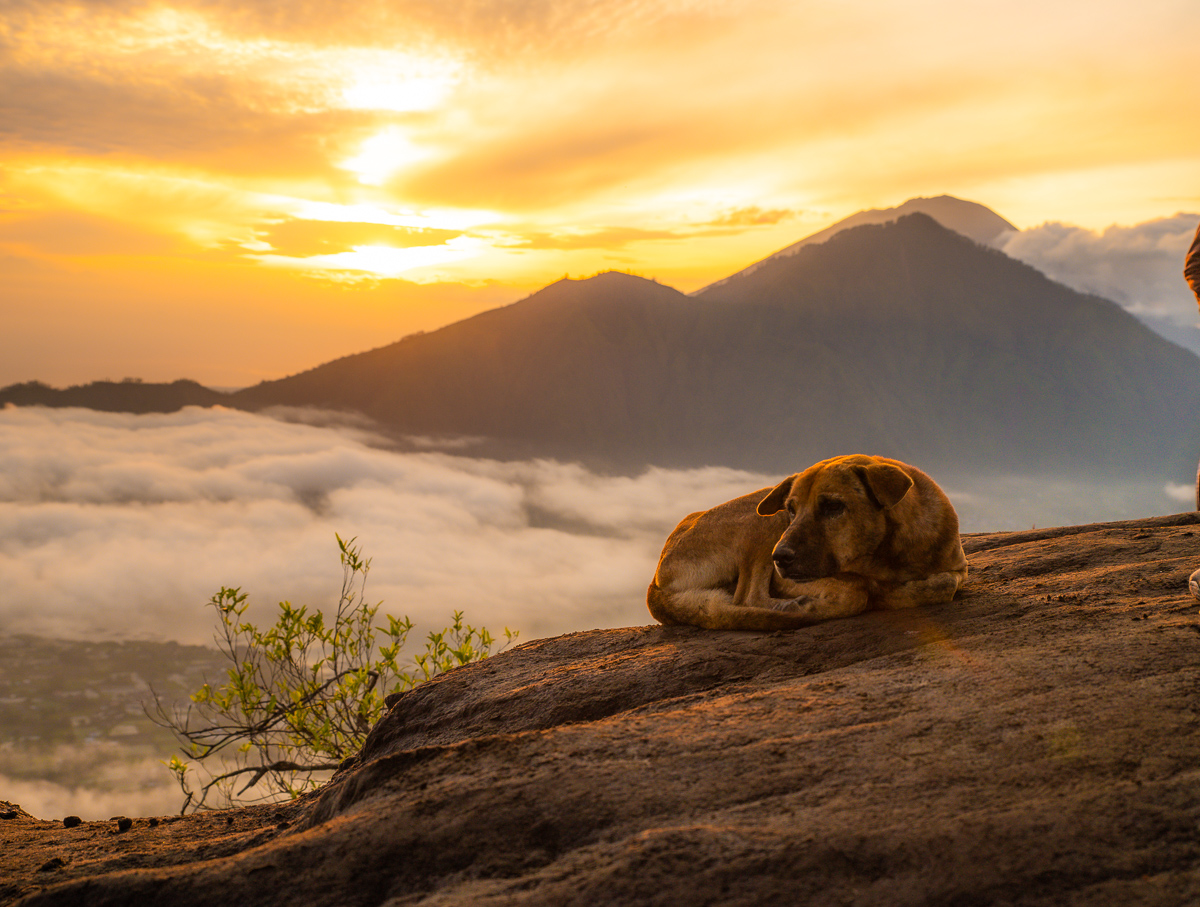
{"points": [[302, 694]]}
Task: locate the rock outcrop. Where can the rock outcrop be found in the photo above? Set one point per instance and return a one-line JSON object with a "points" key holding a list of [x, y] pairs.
{"points": [[1035, 742]]}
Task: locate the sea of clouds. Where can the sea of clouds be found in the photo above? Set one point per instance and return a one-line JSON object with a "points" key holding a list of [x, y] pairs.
{"points": [[118, 526], [122, 526]]}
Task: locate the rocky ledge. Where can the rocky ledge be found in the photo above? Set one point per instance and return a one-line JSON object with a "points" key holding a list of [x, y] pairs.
{"points": [[1035, 742]]}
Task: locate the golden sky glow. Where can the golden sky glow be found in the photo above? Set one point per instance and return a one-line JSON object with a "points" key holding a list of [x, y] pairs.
{"points": [[236, 191]]}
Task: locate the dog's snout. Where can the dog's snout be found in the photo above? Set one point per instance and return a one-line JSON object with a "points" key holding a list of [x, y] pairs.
{"points": [[784, 558]]}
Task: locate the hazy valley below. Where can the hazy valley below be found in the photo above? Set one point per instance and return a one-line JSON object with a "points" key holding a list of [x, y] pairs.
{"points": [[74, 735]]}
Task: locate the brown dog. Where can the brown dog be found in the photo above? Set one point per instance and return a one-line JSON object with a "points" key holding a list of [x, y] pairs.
{"points": [[846, 535]]}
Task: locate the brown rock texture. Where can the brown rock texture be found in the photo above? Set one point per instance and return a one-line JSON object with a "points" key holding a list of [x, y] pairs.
{"points": [[1035, 742]]}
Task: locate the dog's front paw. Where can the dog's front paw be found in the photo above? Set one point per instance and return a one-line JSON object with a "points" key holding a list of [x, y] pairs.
{"points": [[790, 604]]}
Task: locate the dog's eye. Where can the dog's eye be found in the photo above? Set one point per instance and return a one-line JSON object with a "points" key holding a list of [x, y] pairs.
{"points": [[791, 508], [830, 507]]}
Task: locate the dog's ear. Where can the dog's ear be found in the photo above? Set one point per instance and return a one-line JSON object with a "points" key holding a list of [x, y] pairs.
{"points": [[773, 502], [886, 484]]}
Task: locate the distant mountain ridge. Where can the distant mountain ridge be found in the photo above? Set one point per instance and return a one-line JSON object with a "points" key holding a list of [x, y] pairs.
{"points": [[115, 396], [902, 338]]}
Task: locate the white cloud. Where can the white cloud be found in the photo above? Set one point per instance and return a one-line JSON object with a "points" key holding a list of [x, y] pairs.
{"points": [[1140, 267]]}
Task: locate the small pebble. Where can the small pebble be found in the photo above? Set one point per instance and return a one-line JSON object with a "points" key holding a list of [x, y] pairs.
{"points": [[154, 822], [124, 824], [52, 864], [71, 821], [9, 814]]}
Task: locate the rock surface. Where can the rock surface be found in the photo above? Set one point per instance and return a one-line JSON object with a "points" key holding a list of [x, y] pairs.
{"points": [[1036, 742]]}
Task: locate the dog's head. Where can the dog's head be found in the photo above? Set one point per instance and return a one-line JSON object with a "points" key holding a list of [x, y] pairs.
{"points": [[839, 513]]}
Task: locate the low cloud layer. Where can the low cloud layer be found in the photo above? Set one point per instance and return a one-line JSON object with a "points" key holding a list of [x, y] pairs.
{"points": [[117, 526]]}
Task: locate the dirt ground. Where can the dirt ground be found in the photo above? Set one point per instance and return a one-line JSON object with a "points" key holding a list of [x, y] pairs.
{"points": [[1036, 742]]}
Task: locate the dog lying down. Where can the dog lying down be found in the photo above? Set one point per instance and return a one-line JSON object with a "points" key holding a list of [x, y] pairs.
{"points": [[845, 536]]}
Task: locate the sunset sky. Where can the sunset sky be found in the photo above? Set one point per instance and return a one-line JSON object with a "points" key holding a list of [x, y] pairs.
{"points": [[237, 191]]}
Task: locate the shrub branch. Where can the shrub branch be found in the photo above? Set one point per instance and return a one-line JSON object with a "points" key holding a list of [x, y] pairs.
{"points": [[300, 696]]}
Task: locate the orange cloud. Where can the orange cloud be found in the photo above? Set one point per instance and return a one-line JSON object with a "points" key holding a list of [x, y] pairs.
{"points": [[753, 216], [302, 238]]}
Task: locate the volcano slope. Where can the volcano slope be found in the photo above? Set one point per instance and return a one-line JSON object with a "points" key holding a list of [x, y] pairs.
{"points": [[1035, 742]]}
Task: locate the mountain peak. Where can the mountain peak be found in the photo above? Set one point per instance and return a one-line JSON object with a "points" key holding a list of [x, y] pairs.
{"points": [[604, 280], [605, 286], [973, 220]]}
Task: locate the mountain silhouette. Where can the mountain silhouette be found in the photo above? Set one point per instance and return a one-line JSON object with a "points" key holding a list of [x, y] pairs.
{"points": [[129, 396], [904, 338], [588, 369]]}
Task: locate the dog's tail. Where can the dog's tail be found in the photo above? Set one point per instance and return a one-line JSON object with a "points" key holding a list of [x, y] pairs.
{"points": [[657, 602]]}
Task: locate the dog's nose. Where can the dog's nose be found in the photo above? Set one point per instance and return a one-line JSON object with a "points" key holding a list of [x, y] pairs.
{"points": [[783, 557]]}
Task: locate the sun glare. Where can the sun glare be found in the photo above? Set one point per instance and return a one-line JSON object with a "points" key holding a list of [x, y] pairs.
{"points": [[440, 218], [381, 261], [383, 155], [396, 80], [397, 94]]}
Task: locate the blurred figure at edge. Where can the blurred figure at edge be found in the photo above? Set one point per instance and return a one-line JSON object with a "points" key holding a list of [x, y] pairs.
{"points": [[1191, 273]]}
